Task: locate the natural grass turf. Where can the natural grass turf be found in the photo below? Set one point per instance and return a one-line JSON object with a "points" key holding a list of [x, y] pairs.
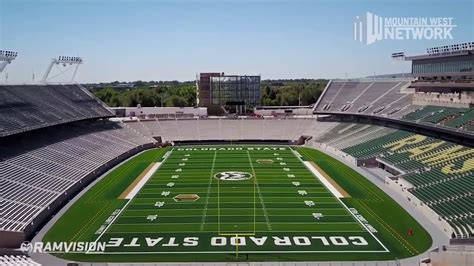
{"points": [[389, 218], [77, 224], [81, 221]]}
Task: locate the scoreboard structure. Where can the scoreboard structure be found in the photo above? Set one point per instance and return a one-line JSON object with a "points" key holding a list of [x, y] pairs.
{"points": [[228, 94]]}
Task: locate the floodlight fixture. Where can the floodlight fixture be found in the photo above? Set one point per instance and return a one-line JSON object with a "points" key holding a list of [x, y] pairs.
{"points": [[450, 49], [64, 61], [6, 57]]}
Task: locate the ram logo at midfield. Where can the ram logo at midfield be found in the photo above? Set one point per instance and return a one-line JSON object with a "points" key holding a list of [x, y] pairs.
{"points": [[233, 176]]}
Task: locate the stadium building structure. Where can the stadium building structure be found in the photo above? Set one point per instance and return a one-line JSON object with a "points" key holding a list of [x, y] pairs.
{"points": [[444, 76], [56, 139]]}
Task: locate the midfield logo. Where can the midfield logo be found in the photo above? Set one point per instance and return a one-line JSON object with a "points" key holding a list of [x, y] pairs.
{"points": [[233, 176]]}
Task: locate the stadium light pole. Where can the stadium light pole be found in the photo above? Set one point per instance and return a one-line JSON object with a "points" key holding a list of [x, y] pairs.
{"points": [[64, 60], [6, 57], [399, 56]]}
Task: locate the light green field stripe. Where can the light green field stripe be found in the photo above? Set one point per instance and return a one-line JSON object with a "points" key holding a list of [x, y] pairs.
{"points": [[292, 208], [261, 226], [231, 191], [190, 190], [275, 181], [258, 231], [256, 185], [186, 172], [266, 197], [237, 211], [222, 199], [203, 220], [187, 216], [201, 178], [240, 223], [286, 197], [233, 202]]}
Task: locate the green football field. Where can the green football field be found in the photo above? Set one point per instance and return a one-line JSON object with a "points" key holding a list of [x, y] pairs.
{"points": [[236, 203]]}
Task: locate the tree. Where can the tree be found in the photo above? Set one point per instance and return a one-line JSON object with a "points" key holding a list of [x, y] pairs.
{"points": [[177, 101], [175, 93]]}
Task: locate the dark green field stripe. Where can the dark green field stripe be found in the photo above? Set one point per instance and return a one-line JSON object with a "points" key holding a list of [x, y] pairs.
{"points": [[213, 227], [234, 219], [237, 211]]}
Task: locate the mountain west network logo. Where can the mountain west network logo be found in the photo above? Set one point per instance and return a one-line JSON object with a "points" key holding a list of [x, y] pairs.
{"points": [[372, 28], [233, 176]]}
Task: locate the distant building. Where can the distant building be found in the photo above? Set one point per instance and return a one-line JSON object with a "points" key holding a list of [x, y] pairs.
{"points": [[228, 94]]}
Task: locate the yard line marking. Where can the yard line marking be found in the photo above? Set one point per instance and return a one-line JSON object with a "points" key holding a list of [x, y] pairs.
{"points": [[357, 219], [259, 193], [203, 219], [231, 215], [111, 222], [123, 208]]}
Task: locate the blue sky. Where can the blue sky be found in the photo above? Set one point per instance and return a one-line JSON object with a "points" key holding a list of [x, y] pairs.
{"points": [[174, 40]]}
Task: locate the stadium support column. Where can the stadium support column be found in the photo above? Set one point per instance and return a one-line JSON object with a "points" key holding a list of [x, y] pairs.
{"points": [[74, 74], [48, 70], [3, 65]]}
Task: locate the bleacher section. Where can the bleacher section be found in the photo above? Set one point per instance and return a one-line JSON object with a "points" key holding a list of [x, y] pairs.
{"points": [[441, 173], [42, 167], [346, 134], [461, 118], [17, 260], [366, 97], [28, 107], [389, 99], [229, 129], [438, 173]]}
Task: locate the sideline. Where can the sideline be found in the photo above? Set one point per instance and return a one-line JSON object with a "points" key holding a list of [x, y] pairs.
{"points": [[438, 237], [326, 179], [140, 181], [49, 259]]}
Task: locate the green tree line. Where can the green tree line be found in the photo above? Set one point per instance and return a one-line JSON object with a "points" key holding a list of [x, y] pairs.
{"points": [[180, 94], [291, 92]]}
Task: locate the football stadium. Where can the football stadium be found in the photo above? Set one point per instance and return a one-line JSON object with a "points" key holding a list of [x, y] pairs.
{"points": [[376, 171]]}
